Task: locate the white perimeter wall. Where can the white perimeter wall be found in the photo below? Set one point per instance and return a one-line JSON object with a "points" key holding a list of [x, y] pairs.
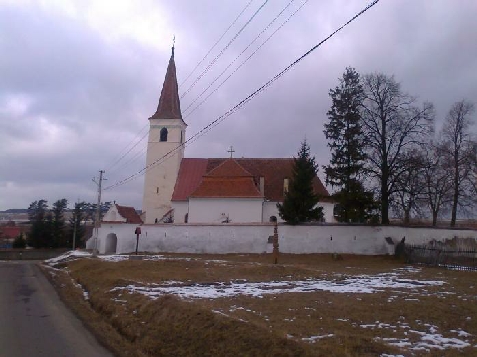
{"points": [[230, 238]]}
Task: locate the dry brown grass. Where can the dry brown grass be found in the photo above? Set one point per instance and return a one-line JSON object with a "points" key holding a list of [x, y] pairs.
{"points": [[273, 325]]}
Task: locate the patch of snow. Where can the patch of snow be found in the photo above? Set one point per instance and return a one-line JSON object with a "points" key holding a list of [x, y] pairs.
{"points": [[313, 339], [219, 312], [461, 333], [440, 342], [68, 256], [360, 284]]}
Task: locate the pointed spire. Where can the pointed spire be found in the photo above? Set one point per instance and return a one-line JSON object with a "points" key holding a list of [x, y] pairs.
{"points": [[169, 104]]}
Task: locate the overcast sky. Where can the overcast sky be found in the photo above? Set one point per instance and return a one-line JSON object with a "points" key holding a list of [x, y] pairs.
{"points": [[80, 78]]}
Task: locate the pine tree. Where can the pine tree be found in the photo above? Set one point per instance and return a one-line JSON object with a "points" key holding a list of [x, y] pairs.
{"points": [[58, 223], [19, 242], [75, 227], [345, 140], [37, 214], [299, 204]]}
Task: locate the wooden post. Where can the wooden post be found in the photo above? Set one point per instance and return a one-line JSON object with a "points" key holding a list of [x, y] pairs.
{"points": [[275, 244], [138, 232]]}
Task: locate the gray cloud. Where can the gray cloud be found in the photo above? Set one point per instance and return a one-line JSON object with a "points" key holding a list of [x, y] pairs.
{"points": [[72, 99]]}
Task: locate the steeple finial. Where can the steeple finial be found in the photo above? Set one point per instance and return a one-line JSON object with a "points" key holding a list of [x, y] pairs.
{"points": [[173, 45]]}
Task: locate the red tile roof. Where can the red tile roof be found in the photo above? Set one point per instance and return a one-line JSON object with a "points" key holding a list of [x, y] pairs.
{"points": [[189, 177], [210, 187], [274, 171], [129, 213], [10, 231], [229, 168], [169, 106]]}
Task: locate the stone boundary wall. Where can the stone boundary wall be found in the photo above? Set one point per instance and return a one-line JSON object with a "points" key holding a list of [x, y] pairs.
{"points": [[254, 238]]}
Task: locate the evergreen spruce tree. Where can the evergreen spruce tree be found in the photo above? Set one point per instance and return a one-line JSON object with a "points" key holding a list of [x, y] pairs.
{"points": [[75, 227], [345, 140], [37, 214], [19, 242], [58, 224], [299, 204]]}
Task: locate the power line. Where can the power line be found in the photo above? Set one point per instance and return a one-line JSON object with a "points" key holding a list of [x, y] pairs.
{"points": [[128, 151], [239, 105], [134, 157], [245, 61], [209, 66], [120, 156], [215, 44]]}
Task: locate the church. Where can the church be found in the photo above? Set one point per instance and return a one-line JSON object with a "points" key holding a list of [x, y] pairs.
{"points": [[209, 190]]}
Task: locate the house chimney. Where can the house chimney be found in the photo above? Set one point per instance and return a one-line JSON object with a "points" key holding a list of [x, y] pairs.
{"points": [[262, 186], [285, 185]]}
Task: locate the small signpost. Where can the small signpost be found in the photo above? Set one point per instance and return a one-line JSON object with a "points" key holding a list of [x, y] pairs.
{"points": [[275, 244], [137, 232]]}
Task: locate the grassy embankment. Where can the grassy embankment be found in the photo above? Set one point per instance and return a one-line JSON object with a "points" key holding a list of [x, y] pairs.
{"points": [[272, 325]]}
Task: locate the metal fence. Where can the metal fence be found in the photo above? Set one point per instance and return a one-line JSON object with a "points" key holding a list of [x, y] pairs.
{"points": [[447, 257]]}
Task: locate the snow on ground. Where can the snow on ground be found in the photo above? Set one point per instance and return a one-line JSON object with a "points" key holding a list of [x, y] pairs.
{"points": [[313, 339], [358, 284], [422, 340], [72, 254]]}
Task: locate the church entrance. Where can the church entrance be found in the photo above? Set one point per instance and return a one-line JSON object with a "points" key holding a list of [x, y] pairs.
{"points": [[111, 243]]}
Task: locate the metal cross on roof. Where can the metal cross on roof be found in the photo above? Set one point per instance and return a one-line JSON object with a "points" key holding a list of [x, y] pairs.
{"points": [[231, 151]]}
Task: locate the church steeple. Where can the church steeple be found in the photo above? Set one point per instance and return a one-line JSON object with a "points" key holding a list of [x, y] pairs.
{"points": [[167, 133], [169, 104]]}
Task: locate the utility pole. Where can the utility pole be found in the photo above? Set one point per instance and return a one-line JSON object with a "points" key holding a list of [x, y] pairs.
{"points": [[97, 222], [75, 224]]}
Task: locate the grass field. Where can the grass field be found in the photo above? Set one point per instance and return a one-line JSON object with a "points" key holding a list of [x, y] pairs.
{"points": [[241, 305]]}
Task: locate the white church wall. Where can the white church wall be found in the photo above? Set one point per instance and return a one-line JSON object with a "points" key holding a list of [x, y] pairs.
{"points": [[181, 208], [216, 210], [270, 209], [241, 238]]}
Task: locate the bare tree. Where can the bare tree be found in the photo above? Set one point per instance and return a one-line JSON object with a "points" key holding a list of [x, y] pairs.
{"points": [[410, 185], [438, 181], [458, 148], [392, 124]]}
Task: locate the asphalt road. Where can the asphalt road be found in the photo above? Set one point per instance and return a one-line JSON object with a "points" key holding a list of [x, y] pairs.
{"points": [[33, 320]]}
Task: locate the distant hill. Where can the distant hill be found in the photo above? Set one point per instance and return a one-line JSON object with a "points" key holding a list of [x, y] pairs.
{"points": [[15, 210]]}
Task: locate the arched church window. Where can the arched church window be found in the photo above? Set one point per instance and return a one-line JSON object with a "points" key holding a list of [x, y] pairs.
{"points": [[163, 136]]}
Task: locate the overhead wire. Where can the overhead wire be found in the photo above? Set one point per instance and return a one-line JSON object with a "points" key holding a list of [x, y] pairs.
{"points": [[243, 62], [215, 44], [240, 104], [120, 156], [211, 64]]}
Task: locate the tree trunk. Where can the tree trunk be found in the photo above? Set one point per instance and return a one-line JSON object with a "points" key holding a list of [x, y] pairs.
{"points": [[407, 218], [434, 218], [384, 204], [455, 198]]}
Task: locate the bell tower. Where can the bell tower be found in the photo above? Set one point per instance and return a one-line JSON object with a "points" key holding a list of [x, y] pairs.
{"points": [[165, 149]]}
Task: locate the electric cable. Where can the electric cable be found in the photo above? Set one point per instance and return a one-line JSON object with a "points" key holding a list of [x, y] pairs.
{"points": [[211, 64], [243, 62], [215, 44], [240, 104]]}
